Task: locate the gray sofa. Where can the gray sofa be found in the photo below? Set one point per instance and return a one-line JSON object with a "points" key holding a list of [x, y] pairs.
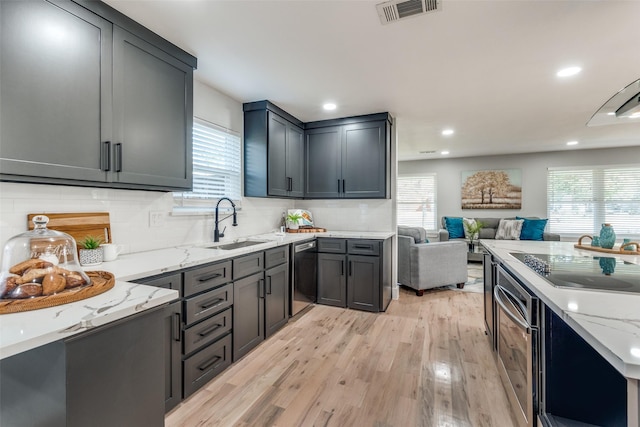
{"points": [[429, 265], [487, 232]]}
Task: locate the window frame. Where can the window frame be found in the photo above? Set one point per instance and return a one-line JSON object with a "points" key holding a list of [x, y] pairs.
{"points": [[598, 203], [432, 227], [188, 203]]}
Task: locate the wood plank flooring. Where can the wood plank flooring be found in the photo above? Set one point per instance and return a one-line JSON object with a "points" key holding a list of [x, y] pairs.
{"points": [[425, 362]]}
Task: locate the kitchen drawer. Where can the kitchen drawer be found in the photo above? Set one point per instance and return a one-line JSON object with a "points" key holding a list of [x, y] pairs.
{"points": [[203, 366], [276, 256], [166, 281], [248, 264], [363, 247], [207, 331], [334, 246], [204, 278], [204, 305]]}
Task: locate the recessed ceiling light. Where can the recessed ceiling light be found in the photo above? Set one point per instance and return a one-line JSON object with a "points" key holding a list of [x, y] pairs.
{"points": [[612, 113], [447, 132], [444, 153], [635, 352], [572, 143], [635, 115], [329, 106], [569, 71]]}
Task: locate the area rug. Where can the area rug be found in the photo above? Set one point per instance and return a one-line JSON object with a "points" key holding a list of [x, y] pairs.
{"points": [[475, 280]]}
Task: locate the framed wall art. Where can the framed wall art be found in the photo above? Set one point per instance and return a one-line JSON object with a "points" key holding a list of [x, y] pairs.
{"points": [[492, 189]]}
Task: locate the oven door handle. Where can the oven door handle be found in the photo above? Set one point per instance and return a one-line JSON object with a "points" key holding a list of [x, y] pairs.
{"points": [[498, 291]]}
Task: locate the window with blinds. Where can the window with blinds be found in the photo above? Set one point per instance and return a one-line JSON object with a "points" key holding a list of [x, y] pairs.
{"points": [[417, 201], [579, 201], [216, 167]]}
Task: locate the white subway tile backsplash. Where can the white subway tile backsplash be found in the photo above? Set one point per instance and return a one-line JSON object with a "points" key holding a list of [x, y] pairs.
{"points": [[129, 214]]}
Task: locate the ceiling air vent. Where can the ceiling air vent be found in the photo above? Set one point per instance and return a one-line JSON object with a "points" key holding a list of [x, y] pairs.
{"points": [[396, 10]]}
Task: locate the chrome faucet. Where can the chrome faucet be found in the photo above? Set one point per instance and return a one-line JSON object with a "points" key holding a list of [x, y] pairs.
{"points": [[216, 232]]}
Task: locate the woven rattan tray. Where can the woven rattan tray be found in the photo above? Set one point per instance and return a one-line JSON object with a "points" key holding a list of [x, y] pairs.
{"points": [[101, 281]]}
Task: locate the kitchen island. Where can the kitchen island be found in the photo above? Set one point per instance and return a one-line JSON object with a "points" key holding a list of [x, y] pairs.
{"points": [[606, 321]]}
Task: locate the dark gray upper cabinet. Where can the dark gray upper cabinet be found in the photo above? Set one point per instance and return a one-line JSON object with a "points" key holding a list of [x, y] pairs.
{"points": [[153, 115], [55, 109], [348, 158], [273, 153], [89, 97]]}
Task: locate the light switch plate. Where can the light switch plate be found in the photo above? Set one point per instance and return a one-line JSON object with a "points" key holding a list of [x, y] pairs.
{"points": [[156, 219]]}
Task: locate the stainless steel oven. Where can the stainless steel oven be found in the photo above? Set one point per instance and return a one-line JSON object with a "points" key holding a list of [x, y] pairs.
{"points": [[518, 343]]}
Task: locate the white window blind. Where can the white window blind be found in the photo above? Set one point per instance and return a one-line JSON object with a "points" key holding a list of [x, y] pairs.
{"points": [[216, 166], [579, 201], [417, 201]]}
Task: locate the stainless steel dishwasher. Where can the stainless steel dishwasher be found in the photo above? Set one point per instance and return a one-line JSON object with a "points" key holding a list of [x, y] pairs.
{"points": [[304, 286]]}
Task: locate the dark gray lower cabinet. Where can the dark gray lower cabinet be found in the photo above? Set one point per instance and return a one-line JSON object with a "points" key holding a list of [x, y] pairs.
{"points": [[363, 282], [248, 314], [107, 377], [172, 355], [359, 277], [203, 366], [332, 281], [276, 303], [172, 333]]}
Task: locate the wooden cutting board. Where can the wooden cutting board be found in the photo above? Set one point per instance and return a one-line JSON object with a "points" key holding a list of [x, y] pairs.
{"points": [[78, 225]]}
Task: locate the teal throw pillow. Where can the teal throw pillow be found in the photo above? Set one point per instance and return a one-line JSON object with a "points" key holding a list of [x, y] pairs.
{"points": [[532, 229], [454, 227]]}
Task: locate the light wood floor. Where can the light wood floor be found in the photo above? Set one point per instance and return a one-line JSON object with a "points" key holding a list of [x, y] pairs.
{"points": [[425, 362]]}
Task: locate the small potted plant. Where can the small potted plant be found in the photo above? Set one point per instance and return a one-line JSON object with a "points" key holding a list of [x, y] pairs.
{"points": [[292, 220], [473, 229], [90, 251]]}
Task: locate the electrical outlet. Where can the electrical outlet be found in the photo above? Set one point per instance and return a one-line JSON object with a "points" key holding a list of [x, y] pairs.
{"points": [[156, 219]]}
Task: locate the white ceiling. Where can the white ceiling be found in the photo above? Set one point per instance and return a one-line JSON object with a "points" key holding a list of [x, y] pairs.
{"points": [[485, 68]]}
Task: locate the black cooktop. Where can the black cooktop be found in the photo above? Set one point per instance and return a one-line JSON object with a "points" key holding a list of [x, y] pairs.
{"points": [[603, 273]]}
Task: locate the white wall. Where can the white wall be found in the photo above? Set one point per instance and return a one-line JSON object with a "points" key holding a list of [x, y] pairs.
{"points": [[534, 176]]}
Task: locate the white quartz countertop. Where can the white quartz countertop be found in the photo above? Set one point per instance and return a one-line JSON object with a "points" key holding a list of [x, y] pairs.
{"points": [[145, 264], [23, 331], [20, 332], [608, 321]]}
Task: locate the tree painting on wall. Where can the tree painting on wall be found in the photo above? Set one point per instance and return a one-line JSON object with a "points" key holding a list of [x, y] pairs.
{"points": [[492, 189]]}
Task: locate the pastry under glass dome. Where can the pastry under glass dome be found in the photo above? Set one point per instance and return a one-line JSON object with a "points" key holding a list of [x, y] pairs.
{"points": [[40, 262]]}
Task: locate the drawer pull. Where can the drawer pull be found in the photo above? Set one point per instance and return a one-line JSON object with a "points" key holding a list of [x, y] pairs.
{"points": [[210, 363], [212, 276], [210, 330], [362, 246], [213, 303]]}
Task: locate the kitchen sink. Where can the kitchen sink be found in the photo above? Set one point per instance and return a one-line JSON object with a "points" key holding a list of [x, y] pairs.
{"points": [[236, 245]]}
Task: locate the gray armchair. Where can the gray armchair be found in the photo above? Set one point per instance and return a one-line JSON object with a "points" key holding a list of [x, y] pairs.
{"points": [[429, 265]]}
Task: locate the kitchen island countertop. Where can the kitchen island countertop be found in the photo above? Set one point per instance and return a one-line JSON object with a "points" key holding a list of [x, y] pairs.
{"points": [[608, 321]]}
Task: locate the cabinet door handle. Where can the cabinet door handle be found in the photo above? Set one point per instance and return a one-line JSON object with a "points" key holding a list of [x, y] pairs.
{"points": [[261, 289], [210, 330], [106, 156], [338, 186], [343, 185], [289, 183], [350, 268], [118, 155], [269, 283], [213, 303], [176, 327], [342, 268], [210, 363], [209, 277]]}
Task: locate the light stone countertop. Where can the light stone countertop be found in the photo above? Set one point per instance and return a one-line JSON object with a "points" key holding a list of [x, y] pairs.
{"points": [[20, 332], [608, 321]]}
